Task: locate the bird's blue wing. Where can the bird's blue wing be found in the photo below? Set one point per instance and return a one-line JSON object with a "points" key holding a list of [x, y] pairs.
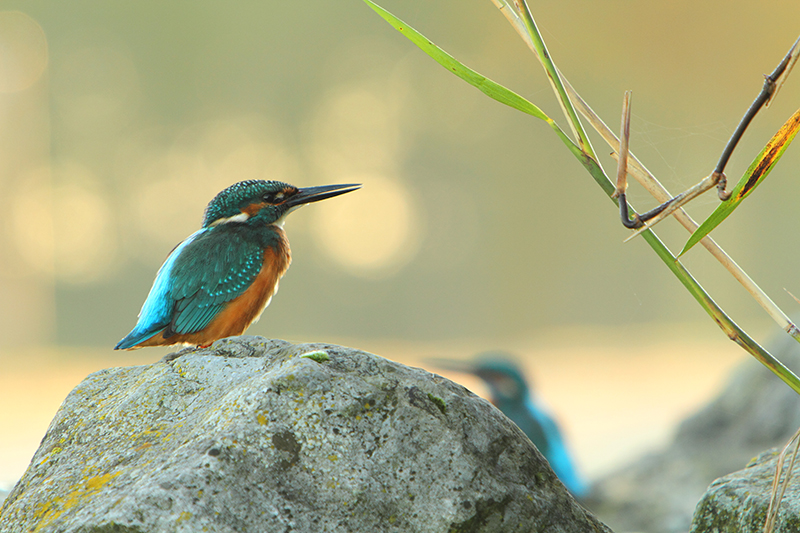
{"points": [[156, 313], [210, 268], [557, 454], [216, 268]]}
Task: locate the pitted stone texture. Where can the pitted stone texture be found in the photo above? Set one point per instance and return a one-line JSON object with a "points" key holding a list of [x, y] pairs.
{"points": [[738, 502], [658, 493], [247, 436]]}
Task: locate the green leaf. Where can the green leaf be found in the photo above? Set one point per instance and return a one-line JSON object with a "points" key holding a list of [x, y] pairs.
{"points": [[759, 169], [320, 356], [487, 86]]}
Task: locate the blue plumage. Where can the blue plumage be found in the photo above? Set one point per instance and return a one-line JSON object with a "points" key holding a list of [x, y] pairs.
{"points": [[195, 298], [556, 449], [207, 270], [510, 393], [219, 266], [157, 308]]}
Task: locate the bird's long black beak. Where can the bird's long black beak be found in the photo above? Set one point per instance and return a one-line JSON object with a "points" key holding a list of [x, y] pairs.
{"points": [[315, 194]]}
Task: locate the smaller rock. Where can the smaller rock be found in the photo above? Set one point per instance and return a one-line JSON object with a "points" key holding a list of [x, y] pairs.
{"points": [[659, 492], [738, 502]]}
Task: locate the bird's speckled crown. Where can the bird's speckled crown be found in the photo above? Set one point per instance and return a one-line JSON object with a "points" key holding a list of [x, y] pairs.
{"points": [[229, 202]]}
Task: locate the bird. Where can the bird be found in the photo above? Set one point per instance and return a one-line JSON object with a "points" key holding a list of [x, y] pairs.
{"points": [[509, 392], [219, 280]]}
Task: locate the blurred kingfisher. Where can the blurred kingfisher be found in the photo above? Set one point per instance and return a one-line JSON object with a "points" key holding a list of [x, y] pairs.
{"points": [[221, 278], [511, 394]]}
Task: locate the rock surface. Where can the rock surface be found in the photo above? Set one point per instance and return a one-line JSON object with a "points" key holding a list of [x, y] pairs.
{"points": [[738, 502], [658, 493], [251, 436]]}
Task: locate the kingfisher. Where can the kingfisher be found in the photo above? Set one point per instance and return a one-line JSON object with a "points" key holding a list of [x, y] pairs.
{"points": [[220, 279], [509, 392]]}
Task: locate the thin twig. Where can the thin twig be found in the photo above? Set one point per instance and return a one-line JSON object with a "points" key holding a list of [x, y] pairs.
{"points": [[622, 167], [656, 189], [674, 203], [660, 193], [766, 94], [624, 143], [649, 182], [718, 178], [795, 53], [795, 298]]}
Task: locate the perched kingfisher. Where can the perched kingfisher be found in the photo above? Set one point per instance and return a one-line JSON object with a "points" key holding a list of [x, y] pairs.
{"points": [[510, 393], [221, 278]]}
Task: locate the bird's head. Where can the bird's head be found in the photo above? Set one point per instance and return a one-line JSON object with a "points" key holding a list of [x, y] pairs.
{"points": [[503, 376], [498, 370], [265, 202]]}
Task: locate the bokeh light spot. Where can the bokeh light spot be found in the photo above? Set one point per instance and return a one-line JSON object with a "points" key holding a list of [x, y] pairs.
{"points": [[370, 232], [168, 199], [63, 230], [96, 89], [23, 51]]}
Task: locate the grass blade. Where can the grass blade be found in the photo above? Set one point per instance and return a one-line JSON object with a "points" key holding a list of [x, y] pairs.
{"points": [[490, 88], [484, 84], [585, 156], [758, 171]]}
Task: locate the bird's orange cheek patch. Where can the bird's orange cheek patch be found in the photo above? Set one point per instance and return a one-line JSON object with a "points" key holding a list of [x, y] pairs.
{"points": [[253, 209]]}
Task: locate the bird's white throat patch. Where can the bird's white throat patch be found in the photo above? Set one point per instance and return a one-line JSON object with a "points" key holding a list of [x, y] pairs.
{"points": [[281, 220]]}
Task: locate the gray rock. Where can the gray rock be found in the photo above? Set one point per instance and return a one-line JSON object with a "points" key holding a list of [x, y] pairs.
{"points": [[658, 493], [738, 502], [249, 436]]}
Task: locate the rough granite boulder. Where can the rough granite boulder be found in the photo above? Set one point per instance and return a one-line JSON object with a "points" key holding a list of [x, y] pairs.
{"points": [[738, 502], [257, 435]]}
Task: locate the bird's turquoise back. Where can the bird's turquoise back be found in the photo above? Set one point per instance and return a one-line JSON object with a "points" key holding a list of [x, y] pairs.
{"points": [[209, 269], [512, 395]]}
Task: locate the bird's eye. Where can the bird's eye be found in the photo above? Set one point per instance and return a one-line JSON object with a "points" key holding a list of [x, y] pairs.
{"points": [[275, 197]]}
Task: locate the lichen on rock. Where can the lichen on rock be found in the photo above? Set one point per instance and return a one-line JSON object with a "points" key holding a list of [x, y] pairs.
{"points": [[248, 436]]}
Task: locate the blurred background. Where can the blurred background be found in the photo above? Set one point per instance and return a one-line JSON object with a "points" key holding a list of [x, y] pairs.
{"points": [[475, 228]]}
